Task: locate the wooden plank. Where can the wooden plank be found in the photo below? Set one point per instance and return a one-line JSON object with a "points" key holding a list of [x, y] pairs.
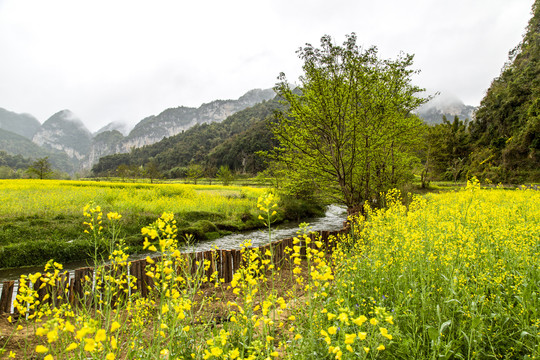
{"points": [[59, 296], [71, 291], [219, 264], [147, 283], [133, 271], [207, 263], [237, 260], [227, 266], [7, 296]]}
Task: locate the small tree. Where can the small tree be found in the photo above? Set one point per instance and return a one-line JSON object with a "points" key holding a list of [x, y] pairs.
{"points": [[225, 175], [151, 171], [195, 172], [123, 171], [41, 168]]}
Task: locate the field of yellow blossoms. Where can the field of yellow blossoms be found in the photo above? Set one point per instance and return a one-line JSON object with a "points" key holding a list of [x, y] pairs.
{"points": [[451, 276]]}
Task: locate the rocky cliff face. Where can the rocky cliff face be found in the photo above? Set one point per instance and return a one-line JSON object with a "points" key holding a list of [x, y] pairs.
{"points": [[104, 143], [173, 121]]}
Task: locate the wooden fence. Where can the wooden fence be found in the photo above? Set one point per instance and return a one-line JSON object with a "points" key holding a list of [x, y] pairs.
{"points": [[224, 262]]}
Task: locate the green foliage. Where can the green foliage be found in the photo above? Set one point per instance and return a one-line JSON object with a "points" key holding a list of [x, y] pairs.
{"points": [[14, 161], [508, 119], [299, 209], [39, 252], [240, 152], [349, 127], [177, 172], [151, 171]]}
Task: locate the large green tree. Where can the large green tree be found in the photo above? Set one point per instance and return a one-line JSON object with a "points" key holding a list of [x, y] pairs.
{"points": [[349, 127]]}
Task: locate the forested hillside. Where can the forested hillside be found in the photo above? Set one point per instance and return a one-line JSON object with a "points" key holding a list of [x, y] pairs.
{"points": [[231, 143], [507, 127]]}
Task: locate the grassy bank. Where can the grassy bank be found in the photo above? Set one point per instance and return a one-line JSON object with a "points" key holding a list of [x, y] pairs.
{"points": [[42, 219]]}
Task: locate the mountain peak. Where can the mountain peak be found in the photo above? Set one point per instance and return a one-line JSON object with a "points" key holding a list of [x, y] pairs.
{"points": [[66, 117], [64, 131], [119, 126]]}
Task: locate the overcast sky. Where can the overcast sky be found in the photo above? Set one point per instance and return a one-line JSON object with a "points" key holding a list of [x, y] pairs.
{"points": [[124, 60]]}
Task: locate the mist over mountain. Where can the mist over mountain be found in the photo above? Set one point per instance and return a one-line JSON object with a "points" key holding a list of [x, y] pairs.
{"points": [[65, 132], [23, 124], [121, 127], [445, 105]]}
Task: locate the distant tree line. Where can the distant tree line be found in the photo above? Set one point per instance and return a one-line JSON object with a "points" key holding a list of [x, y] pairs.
{"points": [[19, 167]]}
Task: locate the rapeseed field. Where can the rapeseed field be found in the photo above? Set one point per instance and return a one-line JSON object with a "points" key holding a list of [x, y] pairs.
{"points": [[449, 276]]}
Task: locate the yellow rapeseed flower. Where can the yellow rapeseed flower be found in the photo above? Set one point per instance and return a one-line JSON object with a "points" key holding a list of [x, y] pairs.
{"points": [[101, 335], [115, 325], [40, 349]]}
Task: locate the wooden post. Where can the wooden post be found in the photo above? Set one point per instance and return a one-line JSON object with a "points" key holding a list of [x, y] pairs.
{"points": [[227, 266], [6, 297], [207, 259], [58, 295], [220, 264], [237, 260]]}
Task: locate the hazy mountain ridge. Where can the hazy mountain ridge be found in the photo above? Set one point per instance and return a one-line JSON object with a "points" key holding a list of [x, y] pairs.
{"points": [[233, 142], [22, 124], [173, 121], [121, 127], [64, 132], [445, 105], [15, 144]]}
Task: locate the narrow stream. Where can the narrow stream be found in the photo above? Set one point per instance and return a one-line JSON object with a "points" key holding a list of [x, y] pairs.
{"points": [[333, 220]]}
